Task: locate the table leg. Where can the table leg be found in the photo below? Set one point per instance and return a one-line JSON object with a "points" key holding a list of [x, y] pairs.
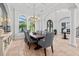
{"points": [[37, 47]]}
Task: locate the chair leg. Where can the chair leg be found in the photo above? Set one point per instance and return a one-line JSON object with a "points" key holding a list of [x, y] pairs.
{"points": [[52, 48], [27, 43], [45, 51]]}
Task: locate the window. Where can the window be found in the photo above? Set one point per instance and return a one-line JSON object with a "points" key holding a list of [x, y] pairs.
{"points": [[22, 23], [31, 25]]}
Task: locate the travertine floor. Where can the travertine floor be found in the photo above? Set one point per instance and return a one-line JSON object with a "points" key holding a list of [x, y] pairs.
{"points": [[61, 48]]}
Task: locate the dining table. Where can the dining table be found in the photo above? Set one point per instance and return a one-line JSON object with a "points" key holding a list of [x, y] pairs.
{"points": [[37, 37]]}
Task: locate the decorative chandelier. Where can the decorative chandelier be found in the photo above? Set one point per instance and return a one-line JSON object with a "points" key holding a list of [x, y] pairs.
{"points": [[34, 18]]}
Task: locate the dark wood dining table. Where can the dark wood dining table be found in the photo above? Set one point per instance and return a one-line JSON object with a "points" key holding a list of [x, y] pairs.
{"points": [[37, 37]]}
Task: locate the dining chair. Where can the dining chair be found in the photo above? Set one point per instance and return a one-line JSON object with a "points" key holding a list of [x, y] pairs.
{"points": [[25, 36], [29, 39], [47, 41]]}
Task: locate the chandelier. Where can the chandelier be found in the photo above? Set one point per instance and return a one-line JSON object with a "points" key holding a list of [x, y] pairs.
{"points": [[34, 18]]}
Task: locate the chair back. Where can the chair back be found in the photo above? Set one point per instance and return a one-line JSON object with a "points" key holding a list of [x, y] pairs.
{"points": [[28, 36], [49, 39], [25, 34]]}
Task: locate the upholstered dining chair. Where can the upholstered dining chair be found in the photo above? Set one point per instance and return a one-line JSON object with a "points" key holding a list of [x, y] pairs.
{"points": [[25, 36], [29, 39], [47, 41]]}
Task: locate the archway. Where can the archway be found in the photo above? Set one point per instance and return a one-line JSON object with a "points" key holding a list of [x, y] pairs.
{"points": [[4, 19], [65, 25]]}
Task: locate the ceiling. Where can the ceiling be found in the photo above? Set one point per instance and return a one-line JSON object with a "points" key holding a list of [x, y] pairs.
{"points": [[41, 8]]}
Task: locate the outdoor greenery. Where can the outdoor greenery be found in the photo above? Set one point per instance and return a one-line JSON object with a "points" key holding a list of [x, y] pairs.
{"points": [[22, 25], [32, 27]]}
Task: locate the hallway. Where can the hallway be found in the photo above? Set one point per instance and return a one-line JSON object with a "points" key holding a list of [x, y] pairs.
{"points": [[61, 48]]}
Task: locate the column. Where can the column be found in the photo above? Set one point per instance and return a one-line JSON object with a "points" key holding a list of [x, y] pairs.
{"points": [[72, 40], [1, 47], [14, 23]]}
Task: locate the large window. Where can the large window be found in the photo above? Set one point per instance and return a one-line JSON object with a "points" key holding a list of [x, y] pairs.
{"points": [[31, 25], [22, 23]]}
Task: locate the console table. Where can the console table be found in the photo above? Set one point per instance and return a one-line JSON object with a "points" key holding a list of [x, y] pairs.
{"points": [[5, 41]]}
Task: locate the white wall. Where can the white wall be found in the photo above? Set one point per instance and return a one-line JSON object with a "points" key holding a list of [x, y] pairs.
{"points": [[41, 24], [77, 17], [55, 17], [0, 16], [43, 12]]}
